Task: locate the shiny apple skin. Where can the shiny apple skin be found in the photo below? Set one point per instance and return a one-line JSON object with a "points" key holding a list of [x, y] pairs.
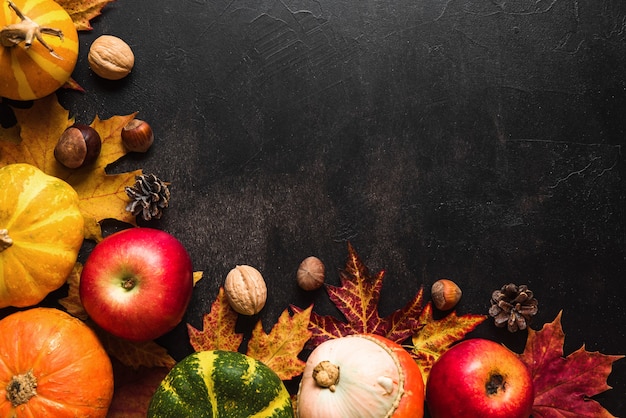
{"points": [[159, 267], [458, 381]]}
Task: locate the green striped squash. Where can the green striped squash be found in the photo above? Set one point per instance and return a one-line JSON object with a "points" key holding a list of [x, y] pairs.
{"points": [[221, 384]]}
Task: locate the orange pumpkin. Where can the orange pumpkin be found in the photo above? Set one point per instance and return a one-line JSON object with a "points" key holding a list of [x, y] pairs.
{"points": [[38, 48], [52, 365]]}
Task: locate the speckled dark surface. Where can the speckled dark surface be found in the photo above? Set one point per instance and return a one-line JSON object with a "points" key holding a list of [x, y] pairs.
{"points": [[479, 141]]}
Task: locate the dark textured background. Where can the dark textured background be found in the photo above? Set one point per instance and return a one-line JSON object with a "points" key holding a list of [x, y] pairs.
{"points": [[479, 141]]}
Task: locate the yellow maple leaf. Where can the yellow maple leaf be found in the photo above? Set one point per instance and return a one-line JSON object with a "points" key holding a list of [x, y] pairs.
{"points": [[82, 11], [102, 195], [435, 337], [280, 348]]}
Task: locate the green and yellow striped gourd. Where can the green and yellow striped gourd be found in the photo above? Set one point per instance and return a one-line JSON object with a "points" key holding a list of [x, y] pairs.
{"points": [[221, 384]]}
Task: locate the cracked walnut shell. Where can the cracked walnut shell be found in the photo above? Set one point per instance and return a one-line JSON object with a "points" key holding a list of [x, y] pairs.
{"points": [[110, 57]]}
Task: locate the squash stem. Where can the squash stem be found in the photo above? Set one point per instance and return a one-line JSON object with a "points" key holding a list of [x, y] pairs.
{"points": [[27, 31], [21, 388], [326, 375], [5, 240]]}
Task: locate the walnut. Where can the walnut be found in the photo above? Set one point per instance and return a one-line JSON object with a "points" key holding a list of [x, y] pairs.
{"points": [[245, 290], [110, 57]]}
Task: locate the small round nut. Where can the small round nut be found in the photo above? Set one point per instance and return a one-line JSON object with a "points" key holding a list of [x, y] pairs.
{"points": [[311, 273], [78, 146], [110, 57], [245, 290], [445, 294], [137, 136]]}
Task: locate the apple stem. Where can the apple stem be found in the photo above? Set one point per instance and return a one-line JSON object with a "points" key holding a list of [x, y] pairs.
{"points": [[129, 283], [495, 383]]}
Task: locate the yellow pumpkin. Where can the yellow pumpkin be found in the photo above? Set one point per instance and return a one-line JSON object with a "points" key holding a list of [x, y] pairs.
{"points": [[41, 232], [38, 48]]}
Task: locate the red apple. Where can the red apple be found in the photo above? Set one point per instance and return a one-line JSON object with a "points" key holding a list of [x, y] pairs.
{"points": [[137, 283], [479, 378]]}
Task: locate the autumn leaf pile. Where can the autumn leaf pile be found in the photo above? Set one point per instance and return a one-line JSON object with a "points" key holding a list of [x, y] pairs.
{"points": [[564, 385]]}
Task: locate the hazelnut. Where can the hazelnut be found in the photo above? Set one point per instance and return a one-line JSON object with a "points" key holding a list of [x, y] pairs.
{"points": [[110, 57], [78, 146], [311, 273], [245, 290], [137, 136], [445, 294]]}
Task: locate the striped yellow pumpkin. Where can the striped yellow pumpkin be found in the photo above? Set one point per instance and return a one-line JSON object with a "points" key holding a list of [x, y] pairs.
{"points": [[32, 72], [41, 232]]}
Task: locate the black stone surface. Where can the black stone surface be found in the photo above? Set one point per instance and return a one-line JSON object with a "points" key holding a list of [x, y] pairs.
{"points": [[479, 141]]}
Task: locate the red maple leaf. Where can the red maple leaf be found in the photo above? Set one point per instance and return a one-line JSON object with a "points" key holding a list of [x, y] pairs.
{"points": [[357, 299], [564, 385]]}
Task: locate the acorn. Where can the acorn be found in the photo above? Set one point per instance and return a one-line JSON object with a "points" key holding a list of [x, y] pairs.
{"points": [[445, 294], [137, 136], [78, 146]]}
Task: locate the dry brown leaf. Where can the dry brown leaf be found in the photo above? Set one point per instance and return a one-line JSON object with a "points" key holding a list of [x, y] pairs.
{"points": [[102, 196], [134, 390], [72, 301], [144, 354]]}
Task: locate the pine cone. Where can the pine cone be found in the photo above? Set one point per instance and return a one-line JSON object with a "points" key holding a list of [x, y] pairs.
{"points": [[513, 306], [149, 196]]}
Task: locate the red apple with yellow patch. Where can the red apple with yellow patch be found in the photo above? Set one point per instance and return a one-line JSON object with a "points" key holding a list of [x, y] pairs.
{"points": [[137, 283]]}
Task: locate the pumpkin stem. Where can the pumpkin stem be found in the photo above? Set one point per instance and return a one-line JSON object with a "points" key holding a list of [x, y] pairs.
{"points": [[326, 375], [27, 31], [21, 388], [5, 240]]}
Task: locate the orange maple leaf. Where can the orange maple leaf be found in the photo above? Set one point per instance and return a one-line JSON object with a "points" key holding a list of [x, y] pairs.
{"points": [[564, 385], [82, 11], [102, 196], [280, 348], [218, 328], [434, 337]]}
